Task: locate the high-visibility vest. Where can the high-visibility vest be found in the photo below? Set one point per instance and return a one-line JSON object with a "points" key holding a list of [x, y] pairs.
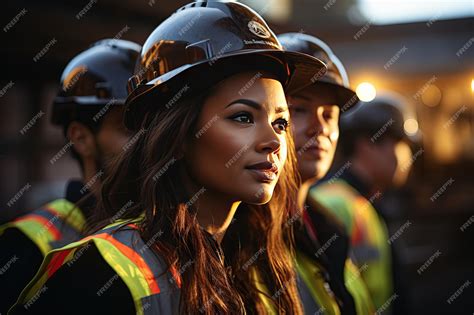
{"points": [[155, 289], [368, 233], [315, 293], [358, 289], [54, 225]]}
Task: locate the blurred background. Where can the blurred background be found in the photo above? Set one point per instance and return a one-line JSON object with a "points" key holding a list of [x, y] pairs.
{"points": [[421, 49]]}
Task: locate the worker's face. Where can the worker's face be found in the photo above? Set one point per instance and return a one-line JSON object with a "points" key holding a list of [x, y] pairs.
{"points": [[239, 147], [314, 119], [389, 160], [112, 135]]}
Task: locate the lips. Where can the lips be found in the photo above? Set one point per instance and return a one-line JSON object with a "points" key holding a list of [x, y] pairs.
{"points": [[264, 171], [317, 148]]}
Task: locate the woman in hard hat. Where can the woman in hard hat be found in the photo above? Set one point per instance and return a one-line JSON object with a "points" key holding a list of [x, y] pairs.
{"points": [[208, 107], [328, 283]]}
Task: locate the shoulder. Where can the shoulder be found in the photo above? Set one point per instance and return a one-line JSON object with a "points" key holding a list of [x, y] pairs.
{"points": [[121, 250], [51, 226]]}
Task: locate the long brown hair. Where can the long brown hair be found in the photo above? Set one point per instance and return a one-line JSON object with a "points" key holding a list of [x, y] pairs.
{"points": [[148, 174]]}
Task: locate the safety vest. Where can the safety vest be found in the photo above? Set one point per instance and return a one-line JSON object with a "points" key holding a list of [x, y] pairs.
{"points": [[315, 293], [54, 225], [368, 233], [357, 288], [155, 289]]}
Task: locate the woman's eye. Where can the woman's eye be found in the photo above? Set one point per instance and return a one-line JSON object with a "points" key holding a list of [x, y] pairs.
{"points": [[282, 124], [245, 118]]}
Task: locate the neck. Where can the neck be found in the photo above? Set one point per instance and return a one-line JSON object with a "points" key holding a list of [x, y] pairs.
{"points": [[303, 193], [215, 214]]}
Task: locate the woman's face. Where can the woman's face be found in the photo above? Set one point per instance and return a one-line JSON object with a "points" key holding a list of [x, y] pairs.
{"points": [[314, 119], [239, 146]]}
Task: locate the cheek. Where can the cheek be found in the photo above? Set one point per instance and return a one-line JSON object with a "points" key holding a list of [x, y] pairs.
{"points": [[112, 141], [298, 127], [216, 154]]}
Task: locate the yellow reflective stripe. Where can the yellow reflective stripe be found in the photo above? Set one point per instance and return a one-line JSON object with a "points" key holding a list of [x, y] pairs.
{"points": [[71, 214], [358, 289], [36, 232], [267, 302], [309, 272], [123, 222], [127, 270]]}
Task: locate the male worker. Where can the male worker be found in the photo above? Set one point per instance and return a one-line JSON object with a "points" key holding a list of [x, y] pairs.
{"points": [[89, 108], [376, 157]]}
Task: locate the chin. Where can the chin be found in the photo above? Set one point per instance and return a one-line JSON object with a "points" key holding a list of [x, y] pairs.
{"points": [[260, 195], [312, 171]]}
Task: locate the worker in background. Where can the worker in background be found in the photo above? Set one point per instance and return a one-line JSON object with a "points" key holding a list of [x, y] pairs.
{"points": [[376, 157], [89, 108], [328, 280]]}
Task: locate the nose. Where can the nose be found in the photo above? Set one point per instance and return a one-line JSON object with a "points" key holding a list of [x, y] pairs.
{"points": [[317, 124], [269, 141]]}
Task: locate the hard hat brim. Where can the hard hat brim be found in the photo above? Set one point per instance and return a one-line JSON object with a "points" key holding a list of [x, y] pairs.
{"points": [[296, 71]]}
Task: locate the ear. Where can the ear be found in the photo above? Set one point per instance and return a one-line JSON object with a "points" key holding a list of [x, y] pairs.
{"points": [[83, 140]]}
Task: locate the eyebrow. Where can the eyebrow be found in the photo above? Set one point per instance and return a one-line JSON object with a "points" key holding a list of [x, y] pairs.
{"points": [[255, 105]]}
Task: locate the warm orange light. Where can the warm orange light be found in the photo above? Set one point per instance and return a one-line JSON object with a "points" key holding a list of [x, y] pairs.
{"points": [[472, 85], [411, 126], [366, 91]]}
